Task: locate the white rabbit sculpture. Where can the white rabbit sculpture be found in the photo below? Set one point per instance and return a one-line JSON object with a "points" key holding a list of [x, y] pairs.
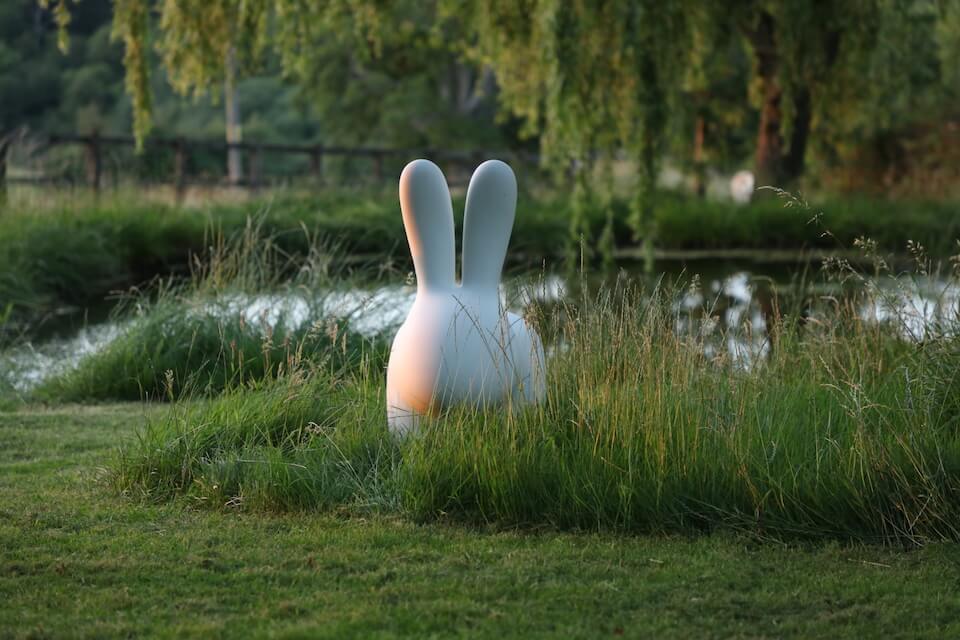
{"points": [[458, 344]]}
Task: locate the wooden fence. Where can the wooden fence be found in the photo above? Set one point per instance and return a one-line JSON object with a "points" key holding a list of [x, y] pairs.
{"points": [[94, 146]]}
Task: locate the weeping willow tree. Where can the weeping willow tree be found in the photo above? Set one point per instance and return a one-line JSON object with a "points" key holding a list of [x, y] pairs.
{"points": [[204, 45], [589, 79], [586, 77], [582, 76]]}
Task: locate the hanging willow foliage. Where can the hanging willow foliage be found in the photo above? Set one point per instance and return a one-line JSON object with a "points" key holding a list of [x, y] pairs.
{"points": [[588, 76], [194, 39], [583, 75], [131, 28], [61, 16]]}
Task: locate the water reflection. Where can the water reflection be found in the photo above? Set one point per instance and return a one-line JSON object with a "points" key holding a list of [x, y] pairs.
{"points": [[729, 313], [919, 308], [27, 365]]}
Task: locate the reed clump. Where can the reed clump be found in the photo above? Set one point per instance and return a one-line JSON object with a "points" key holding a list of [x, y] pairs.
{"points": [[249, 312], [843, 430], [841, 427]]}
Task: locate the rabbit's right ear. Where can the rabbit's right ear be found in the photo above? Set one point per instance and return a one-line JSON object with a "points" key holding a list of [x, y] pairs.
{"points": [[488, 222], [428, 221]]}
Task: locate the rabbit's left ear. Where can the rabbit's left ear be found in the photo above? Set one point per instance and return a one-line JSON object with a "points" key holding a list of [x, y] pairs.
{"points": [[488, 222]]}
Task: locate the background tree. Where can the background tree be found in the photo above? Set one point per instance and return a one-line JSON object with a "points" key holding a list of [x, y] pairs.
{"points": [[586, 77], [42, 87], [391, 75], [786, 82], [367, 80], [795, 46]]}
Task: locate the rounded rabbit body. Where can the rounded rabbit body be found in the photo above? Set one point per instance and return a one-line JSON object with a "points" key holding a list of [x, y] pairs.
{"points": [[458, 344]]}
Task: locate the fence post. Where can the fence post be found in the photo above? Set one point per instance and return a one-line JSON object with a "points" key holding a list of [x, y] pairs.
{"points": [[378, 166], [180, 169], [93, 161], [316, 163], [254, 161]]}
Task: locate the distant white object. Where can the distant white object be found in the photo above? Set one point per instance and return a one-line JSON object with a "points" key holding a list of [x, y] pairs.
{"points": [[741, 186], [458, 344]]}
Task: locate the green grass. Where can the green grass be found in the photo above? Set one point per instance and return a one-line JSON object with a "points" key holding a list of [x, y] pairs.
{"points": [[845, 431], [248, 314], [78, 561], [177, 348], [657, 492], [51, 261]]}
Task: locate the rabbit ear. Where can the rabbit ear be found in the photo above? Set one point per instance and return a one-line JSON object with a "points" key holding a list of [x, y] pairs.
{"points": [[488, 222], [428, 221]]}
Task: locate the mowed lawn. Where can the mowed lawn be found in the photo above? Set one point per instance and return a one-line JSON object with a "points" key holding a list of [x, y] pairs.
{"points": [[76, 560]]}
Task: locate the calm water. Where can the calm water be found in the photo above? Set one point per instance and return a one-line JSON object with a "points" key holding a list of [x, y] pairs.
{"points": [[725, 302]]}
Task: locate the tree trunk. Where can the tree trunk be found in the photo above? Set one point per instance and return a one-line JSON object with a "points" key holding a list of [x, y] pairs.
{"points": [[775, 165], [232, 120], [793, 162], [699, 166], [769, 153]]}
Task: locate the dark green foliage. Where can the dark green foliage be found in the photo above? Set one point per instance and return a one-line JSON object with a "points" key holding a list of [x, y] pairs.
{"points": [[768, 224], [43, 88], [67, 258], [70, 258]]}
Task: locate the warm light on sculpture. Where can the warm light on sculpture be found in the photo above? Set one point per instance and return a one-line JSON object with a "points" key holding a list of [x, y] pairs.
{"points": [[458, 344]]}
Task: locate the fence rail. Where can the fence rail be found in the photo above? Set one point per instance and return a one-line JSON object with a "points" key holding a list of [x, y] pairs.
{"points": [[95, 144]]}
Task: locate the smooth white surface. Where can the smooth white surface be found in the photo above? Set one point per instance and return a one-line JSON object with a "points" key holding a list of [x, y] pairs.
{"points": [[458, 344]]}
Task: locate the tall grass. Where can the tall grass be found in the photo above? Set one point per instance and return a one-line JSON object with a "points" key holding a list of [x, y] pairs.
{"points": [[846, 429], [845, 432], [249, 313], [301, 441]]}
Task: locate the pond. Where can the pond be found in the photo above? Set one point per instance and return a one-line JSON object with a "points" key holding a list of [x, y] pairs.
{"points": [[728, 303]]}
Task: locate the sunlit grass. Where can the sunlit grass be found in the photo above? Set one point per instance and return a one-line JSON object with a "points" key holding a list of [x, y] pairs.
{"points": [[846, 429]]}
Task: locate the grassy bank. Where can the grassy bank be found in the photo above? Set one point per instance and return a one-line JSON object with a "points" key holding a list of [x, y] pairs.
{"points": [[55, 260], [249, 314], [193, 347], [76, 561], [845, 429]]}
